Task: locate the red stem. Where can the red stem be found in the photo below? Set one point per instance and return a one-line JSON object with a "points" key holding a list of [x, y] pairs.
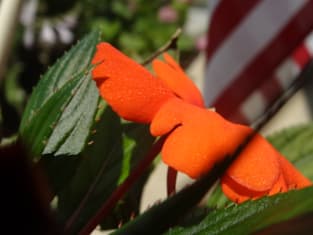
{"points": [[120, 191], [171, 181]]}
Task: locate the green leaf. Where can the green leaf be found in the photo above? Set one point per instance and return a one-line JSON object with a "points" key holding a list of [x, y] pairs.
{"points": [[36, 133], [159, 218], [72, 128], [252, 216], [68, 106], [114, 149], [217, 198]]}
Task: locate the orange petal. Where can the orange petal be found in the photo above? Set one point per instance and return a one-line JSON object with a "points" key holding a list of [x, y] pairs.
{"points": [[294, 179], [171, 62], [127, 86], [175, 78], [280, 185], [167, 118], [200, 138], [257, 167], [289, 178], [238, 193]]}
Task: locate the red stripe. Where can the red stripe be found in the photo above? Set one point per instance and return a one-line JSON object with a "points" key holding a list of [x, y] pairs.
{"points": [[265, 63], [271, 89], [226, 16], [301, 56], [239, 117]]}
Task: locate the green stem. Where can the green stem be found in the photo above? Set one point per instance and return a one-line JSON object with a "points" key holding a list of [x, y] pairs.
{"points": [[120, 191], [171, 44]]}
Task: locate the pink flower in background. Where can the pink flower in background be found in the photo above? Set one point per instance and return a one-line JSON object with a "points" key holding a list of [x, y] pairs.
{"points": [[201, 43], [167, 14]]}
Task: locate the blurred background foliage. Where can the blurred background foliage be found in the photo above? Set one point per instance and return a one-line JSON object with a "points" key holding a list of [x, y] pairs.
{"points": [[47, 28]]}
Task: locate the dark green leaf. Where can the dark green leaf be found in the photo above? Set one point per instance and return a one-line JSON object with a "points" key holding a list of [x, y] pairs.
{"points": [[159, 218], [36, 133], [73, 127], [70, 118], [114, 148], [252, 216]]}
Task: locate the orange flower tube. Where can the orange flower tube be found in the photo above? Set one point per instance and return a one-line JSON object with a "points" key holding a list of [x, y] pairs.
{"points": [[198, 137]]}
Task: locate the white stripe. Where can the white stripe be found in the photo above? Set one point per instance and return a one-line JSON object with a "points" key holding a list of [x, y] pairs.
{"points": [[212, 4], [250, 37], [254, 106], [309, 43], [287, 72]]}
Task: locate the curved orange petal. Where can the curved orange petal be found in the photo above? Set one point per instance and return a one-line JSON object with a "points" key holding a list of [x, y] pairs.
{"points": [[127, 86], [199, 139], [294, 179], [280, 186], [260, 170], [167, 118], [175, 78], [238, 193], [257, 167]]}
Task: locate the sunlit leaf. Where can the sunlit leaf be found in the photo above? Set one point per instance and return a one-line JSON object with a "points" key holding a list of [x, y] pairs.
{"points": [[252, 216], [296, 143]]}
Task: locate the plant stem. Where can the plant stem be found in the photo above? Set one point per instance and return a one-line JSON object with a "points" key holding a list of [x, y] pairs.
{"points": [[172, 43], [171, 181], [120, 191]]}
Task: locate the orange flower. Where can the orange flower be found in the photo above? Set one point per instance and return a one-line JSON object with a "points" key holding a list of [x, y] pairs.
{"points": [[199, 137], [128, 87]]}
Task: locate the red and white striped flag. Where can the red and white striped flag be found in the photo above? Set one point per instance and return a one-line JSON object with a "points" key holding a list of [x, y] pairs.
{"points": [[255, 49]]}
